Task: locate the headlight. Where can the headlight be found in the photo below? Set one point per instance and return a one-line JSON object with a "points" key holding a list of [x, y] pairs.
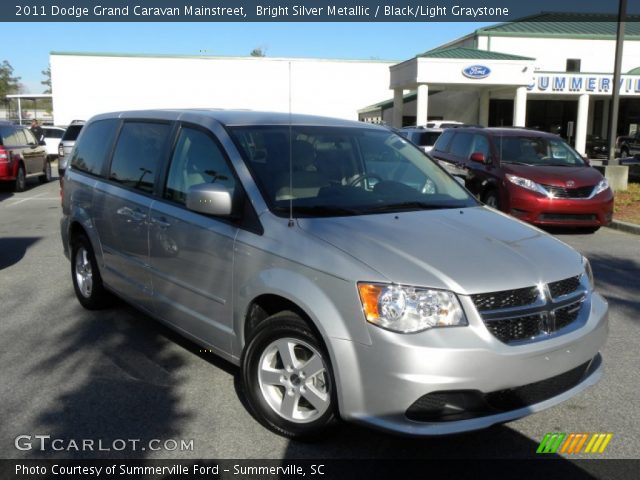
{"points": [[528, 184], [601, 187], [409, 309], [588, 272]]}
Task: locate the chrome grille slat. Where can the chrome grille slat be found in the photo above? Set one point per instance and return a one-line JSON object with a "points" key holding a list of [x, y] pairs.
{"points": [[563, 192], [524, 317]]}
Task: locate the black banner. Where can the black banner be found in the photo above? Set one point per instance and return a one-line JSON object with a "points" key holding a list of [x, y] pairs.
{"points": [[291, 469], [305, 10]]}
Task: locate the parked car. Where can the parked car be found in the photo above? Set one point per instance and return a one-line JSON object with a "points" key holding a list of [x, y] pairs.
{"points": [[343, 271], [21, 156], [628, 145], [66, 145], [422, 137], [52, 137], [597, 147], [443, 124], [532, 175]]}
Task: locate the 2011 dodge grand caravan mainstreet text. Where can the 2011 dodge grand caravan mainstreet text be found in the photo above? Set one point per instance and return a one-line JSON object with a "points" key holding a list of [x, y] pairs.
{"points": [[346, 273]]}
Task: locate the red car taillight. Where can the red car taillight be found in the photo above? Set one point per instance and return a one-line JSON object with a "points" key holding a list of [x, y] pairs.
{"points": [[4, 155]]}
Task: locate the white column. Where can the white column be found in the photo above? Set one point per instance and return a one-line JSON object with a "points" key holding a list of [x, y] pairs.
{"points": [[422, 105], [483, 108], [581, 124], [520, 107], [19, 112], [398, 108]]}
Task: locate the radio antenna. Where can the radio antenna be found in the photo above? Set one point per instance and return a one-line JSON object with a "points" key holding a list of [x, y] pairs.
{"points": [[291, 222]]}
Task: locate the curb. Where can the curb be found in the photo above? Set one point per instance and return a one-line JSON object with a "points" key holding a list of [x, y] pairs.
{"points": [[625, 227]]}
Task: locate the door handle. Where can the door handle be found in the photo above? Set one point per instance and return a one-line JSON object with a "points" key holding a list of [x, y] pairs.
{"points": [[132, 215], [160, 222]]}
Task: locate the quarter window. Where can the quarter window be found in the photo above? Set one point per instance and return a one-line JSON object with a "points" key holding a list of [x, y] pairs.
{"points": [[138, 154], [197, 159], [461, 145]]}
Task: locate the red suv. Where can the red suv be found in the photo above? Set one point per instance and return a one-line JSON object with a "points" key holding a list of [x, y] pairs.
{"points": [[21, 156], [532, 175]]}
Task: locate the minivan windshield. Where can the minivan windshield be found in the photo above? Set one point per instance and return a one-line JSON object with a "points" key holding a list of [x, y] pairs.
{"points": [[343, 171], [541, 151]]}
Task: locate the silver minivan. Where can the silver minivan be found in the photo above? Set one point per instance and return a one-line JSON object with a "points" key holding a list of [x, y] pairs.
{"points": [[344, 272]]}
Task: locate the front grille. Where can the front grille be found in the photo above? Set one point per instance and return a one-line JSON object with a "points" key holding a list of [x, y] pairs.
{"points": [[505, 299], [562, 192], [579, 217], [527, 314], [564, 287], [516, 329], [567, 315]]}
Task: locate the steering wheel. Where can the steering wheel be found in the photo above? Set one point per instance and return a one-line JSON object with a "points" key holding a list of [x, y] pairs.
{"points": [[363, 176]]}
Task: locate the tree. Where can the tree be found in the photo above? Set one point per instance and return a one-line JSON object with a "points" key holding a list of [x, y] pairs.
{"points": [[8, 83], [47, 79], [258, 52]]}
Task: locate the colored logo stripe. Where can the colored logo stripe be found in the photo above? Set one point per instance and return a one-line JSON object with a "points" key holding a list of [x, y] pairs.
{"points": [[572, 443]]}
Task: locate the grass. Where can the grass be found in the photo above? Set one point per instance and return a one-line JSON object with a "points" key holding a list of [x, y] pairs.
{"points": [[627, 204]]}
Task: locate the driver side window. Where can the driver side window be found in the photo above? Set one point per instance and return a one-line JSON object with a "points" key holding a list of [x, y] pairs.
{"points": [[197, 159]]}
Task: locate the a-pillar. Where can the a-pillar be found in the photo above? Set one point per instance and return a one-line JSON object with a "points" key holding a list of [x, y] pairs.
{"points": [[581, 124], [483, 108], [520, 107], [398, 107], [422, 105]]}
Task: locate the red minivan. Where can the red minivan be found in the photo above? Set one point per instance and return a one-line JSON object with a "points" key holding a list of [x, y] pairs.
{"points": [[534, 176]]}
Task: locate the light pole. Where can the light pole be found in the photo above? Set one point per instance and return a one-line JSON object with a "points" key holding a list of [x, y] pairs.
{"points": [[615, 99]]}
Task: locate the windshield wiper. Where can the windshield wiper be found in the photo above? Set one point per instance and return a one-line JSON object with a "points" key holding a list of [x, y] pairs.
{"points": [[392, 207], [518, 163], [321, 210]]}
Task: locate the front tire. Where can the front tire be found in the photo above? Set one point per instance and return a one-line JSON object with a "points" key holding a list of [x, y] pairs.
{"points": [[492, 199], [85, 275], [287, 378]]}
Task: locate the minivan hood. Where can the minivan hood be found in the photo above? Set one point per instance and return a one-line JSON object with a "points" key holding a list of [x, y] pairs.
{"points": [[468, 251], [557, 176]]}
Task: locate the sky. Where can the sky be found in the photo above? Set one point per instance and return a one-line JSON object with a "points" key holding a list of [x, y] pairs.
{"points": [[385, 41]]}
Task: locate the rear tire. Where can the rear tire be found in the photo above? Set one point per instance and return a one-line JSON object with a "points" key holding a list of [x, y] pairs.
{"points": [[85, 275], [20, 183], [492, 199], [46, 177], [287, 378]]}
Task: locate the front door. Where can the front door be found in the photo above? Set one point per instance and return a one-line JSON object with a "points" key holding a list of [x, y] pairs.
{"points": [[191, 254]]}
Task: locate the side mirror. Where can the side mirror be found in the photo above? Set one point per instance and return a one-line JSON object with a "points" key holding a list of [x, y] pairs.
{"points": [[42, 143], [210, 199], [478, 157]]}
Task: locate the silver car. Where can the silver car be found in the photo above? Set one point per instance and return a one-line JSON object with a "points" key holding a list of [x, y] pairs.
{"points": [[347, 274]]}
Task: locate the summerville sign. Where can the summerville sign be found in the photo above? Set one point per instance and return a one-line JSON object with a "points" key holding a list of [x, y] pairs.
{"points": [[585, 83]]}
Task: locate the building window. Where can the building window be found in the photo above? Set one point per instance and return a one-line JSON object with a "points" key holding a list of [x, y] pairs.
{"points": [[573, 64]]}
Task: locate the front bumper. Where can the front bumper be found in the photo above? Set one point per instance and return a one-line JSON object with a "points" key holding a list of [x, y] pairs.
{"points": [[534, 208], [378, 383]]}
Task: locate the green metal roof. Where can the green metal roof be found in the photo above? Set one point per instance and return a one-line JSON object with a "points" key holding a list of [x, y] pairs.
{"points": [[470, 54], [565, 25], [634, 71], [389, 103]]}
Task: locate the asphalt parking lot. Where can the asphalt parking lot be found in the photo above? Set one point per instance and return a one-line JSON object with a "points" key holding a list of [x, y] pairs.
{"points": [[117, 374]]}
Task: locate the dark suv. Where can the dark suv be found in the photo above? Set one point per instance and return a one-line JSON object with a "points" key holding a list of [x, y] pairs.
{"points": [[21, 156], [534, 176]]}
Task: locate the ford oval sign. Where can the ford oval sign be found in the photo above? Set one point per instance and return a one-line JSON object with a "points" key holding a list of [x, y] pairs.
{"points": [[476, 72]]}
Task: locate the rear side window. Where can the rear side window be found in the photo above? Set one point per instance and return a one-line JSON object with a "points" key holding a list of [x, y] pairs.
{"points": [[461, 145], [443, 141], [10, 136], [481, 144], [138, 154], [94, 146]]}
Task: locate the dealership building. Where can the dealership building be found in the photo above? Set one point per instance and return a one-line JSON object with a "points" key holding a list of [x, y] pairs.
{"points": [[553, 71]]}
